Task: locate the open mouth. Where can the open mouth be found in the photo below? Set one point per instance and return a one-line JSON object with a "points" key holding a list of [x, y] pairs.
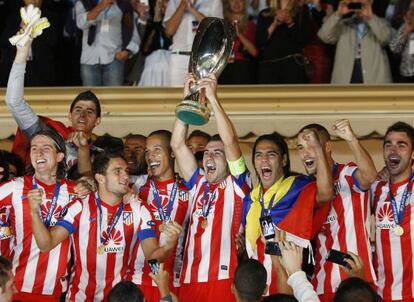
{"points": [[394, 161], [154, 164], [211, 168], [309, 163], [40, 161], [266, 172]]}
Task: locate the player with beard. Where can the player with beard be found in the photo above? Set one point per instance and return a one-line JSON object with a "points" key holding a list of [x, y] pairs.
{"points": [[134, 152], [393, 206], [210, 256], [347, 225], [104, 229], [167, 199], [282, 200]]}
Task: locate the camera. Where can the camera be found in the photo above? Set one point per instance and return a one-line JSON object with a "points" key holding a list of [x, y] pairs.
{"points": [[355, 5], [338, 257], [272, 248]]}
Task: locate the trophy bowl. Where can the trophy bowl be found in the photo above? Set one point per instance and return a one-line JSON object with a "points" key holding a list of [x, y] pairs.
{"points": [[211, 48]]}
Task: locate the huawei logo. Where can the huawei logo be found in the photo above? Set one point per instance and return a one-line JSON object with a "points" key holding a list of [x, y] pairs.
{"points": [[115, 237], [45, 207], [164, 203], [385, 214]]}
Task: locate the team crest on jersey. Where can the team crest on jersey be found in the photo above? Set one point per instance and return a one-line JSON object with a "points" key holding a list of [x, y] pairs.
{"points": [[385, 217], [128, 218], [184, 195]]}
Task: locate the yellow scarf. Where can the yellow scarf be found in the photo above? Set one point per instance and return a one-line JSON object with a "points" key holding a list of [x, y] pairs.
{"points": [[278, 190]]}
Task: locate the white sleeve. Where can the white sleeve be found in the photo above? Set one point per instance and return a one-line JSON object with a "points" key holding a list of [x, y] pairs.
{"points": [[302, 288]]}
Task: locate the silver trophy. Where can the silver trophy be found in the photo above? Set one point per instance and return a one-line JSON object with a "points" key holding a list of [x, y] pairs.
{"points": [[211, 48]]}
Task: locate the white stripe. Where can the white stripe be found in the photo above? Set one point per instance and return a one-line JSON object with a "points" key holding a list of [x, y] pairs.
{"points": [[226, 234]]}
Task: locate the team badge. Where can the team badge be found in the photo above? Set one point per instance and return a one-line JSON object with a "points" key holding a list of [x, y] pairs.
{"points": [[128, 218]]}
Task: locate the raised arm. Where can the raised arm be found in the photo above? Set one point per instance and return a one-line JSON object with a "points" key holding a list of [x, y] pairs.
{"points": [[173, 19], [186, 161], [366, 172], [24, 116], [224, 125], [46, 239]]}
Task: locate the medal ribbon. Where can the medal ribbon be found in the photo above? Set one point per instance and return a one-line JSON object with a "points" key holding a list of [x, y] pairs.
{"points": [[399, 214], [207, 204], [53, 203], [165, 216], [114, 221]]}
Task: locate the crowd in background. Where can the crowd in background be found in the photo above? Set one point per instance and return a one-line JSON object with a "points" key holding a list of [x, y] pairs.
{"points": [[148, 43]]}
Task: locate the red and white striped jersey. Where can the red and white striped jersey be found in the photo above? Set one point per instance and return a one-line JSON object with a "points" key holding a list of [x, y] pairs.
{"points": [[347, 228], [394, 257], [95, 274], [139, 266], [6, 235], [210, 253], [36, 273]]}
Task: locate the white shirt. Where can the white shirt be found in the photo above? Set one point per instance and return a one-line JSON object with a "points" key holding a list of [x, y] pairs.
{"points": [[107, 42], [183, 38]]}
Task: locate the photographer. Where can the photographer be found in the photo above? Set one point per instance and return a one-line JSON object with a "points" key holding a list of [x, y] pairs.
{"points": [[360, 36], [402, 43]]}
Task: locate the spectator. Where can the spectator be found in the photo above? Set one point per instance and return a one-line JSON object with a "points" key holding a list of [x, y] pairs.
{"points": [[282, 32], [125, 291], [355, 289], [42, 60], [249, 283], [134, 152], [401, 43], [315, 50], [241, 67], [155, 47], [109, 39], [197, 141], [360, 56], [181, 22], [7, 287]]}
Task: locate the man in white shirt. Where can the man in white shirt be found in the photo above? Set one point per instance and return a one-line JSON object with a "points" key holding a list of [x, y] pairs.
{"points": [[181, 21]]}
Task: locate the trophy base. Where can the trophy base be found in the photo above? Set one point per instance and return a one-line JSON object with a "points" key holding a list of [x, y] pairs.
{"points": [[192, 112]]}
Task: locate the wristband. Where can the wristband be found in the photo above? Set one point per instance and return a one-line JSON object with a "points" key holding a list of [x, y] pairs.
{"points": [[167, 298], [237, 167]]}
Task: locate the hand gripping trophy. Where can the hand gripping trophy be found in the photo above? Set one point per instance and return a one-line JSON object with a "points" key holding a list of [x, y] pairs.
{"points": [[211, 48]]}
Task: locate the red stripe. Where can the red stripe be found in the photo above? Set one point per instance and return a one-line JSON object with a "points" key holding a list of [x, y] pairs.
{"points": [[41, 270], [215, 247], [407, 254], [387, 258], [91, 254]]}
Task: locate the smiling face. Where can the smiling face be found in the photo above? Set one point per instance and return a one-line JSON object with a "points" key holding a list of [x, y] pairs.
{"points": [[134, 151], [115, 181], [159, 158], [83, 116], [398, 155], [268, 162], [214, 162], [44, 155]]}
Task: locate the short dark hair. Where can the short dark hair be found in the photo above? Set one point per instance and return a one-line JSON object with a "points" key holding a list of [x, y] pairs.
{"points": [[279, 298], [321, 130], [402, 127], [279, 141], [5, 272], [125, 291], [165, 135], [59, 144], [87, 96], [250, 280], [109, 143], [199, 133], [15, 160], [215, 138], [101, 162], [131, 136], [356, 290]]}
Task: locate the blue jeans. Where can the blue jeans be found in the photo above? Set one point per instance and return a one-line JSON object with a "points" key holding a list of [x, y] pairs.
{"points": [[111, 74]]}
